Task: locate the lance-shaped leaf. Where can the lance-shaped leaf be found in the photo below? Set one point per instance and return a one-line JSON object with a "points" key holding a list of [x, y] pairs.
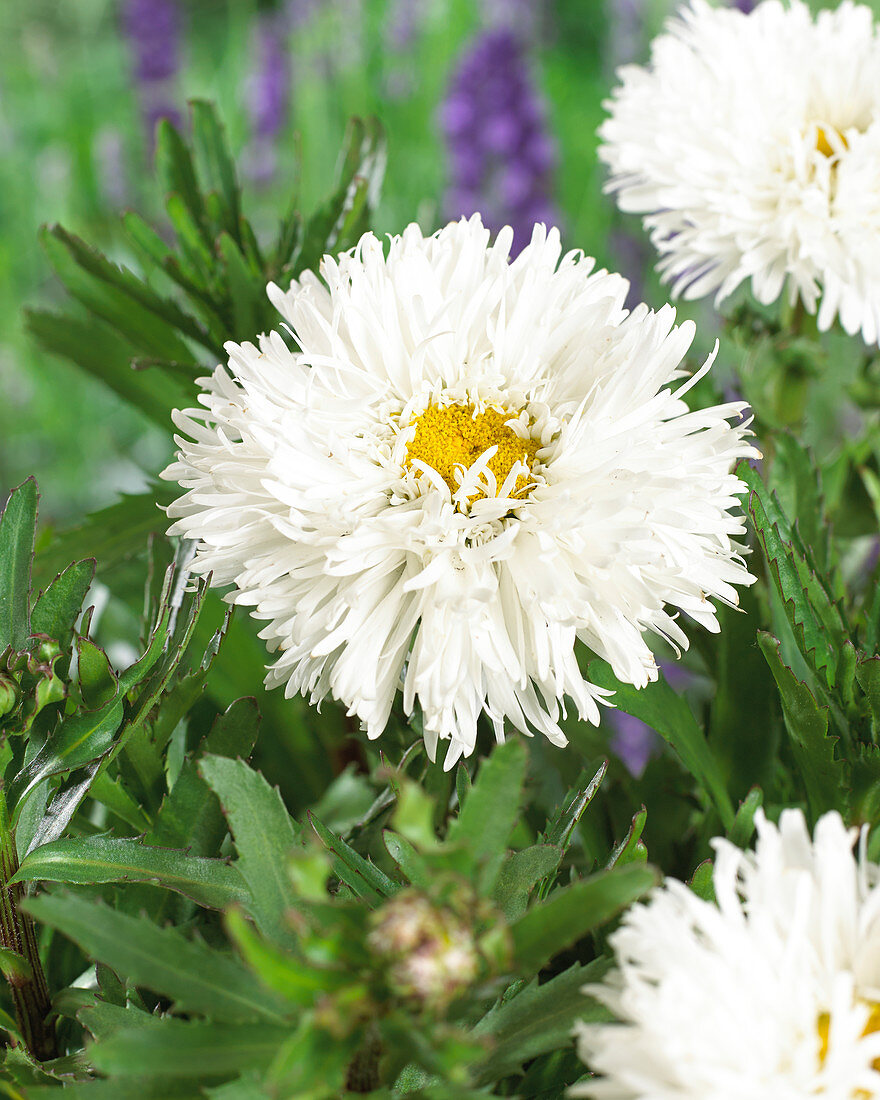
{"points": [[57, 608], [264, 837], [490, 811], [359, 874], [570, 913], [520, 874], [196, 977], [17, 525], [823, 775], [670, 715], [212, 883], [559, 830], [539, 1018]]}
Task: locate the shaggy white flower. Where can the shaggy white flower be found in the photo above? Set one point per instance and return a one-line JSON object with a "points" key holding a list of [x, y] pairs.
{"points": [[752, 144], [772, 994], [469, 464]]}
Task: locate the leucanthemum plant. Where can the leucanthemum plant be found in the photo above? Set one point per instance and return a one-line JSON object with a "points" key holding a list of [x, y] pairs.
{"points": [[751, 147], [468, 464]]}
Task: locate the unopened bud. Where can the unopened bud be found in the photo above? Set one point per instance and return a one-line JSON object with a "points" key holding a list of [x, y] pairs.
{"points": [[429, 949], [8, 694]]}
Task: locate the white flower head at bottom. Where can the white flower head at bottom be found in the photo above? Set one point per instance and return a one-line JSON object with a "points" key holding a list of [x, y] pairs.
{"points": [[468, 464], [773, 993]]}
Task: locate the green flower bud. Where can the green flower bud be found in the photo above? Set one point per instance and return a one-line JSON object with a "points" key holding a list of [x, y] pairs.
{"points": [[8, 694]]}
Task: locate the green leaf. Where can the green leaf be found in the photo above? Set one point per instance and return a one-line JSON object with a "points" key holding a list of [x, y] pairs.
{"points": [[112, 534], [193, 975], [191, 1048], [670, 715], [17, 525], [158, 1089], [867, 673], [216, 163], [486, 821], [538, 1019], [97, 681], [520, 874], [357, 873], [417, 869], [234, 733], [560, 829], [176, 173], [102, 1020], [79, 740], [250, 306], [105, 354], [209, 882], [702, 882], [814, 615], [569, 914], [57, 608], [264, 838], [744, 825], [295, 980], [15, 967], [631, 847], [807, 723]]}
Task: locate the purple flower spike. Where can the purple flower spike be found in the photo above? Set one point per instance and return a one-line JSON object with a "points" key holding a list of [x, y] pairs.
{"points": [[268, 98], [633, 742], [500, 153], [153, 31]]}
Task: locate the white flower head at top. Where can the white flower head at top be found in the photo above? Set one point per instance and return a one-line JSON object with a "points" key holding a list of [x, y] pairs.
{"points": [[469, 463], [773, 993], [751, 146]]}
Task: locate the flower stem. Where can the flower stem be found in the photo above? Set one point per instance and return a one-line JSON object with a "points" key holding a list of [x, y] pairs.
{"points": [[27, 982]]}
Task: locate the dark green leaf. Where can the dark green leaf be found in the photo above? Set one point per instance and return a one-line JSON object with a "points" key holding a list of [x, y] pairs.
{"points": [[17, 525], [807, 724], [209, 882], [215, 162], [357, 873], [56, 609], [670, 715], [539, 1018], [520, 874], [191, 1048], [560, 829], [196, 977], [570, 913], [484, 825], [264, 837]]}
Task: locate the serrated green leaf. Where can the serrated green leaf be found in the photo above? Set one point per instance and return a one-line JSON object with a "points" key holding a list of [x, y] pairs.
{"points": [[867, 673], [629, 848], [569, 914], [559, 831], [538, 1019], [264, 837], [212, 883], [520, 874], [744, 825], [177, 175], [807, 724], [188, 1048], [234, 733], [196, 977], [102, 1020], [112, 534], [57, 608], [97, 681], [357, 873], [107, 356], [485, 823], [17, 525], [417, 869], [216, 163], [670, 715]]}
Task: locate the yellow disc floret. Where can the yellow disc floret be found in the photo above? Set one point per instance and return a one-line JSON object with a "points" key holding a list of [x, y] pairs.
{"points": [[449, 437], [872, 1026], [824, 146]]}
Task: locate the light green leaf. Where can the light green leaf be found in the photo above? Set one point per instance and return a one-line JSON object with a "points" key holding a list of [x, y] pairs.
{"points": [[17, 524], [56, 609]]}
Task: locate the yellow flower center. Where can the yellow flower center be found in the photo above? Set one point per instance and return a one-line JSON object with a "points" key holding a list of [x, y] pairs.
{"points": [[872, 1026], [449, 437], [824, 146]]}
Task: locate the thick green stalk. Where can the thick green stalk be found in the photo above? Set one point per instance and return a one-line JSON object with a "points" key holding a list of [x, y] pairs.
{"points": [[30, 993]]}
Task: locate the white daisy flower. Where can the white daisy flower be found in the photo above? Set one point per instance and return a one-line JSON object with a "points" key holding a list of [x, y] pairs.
{"points": [[772, 994], [752, 145], [470, 464]]}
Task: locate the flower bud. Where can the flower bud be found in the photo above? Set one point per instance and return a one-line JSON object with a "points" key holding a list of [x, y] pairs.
{"points": [[429, 950], [8, 694]]}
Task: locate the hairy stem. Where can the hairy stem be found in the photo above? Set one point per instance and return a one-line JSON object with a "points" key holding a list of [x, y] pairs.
{"points": [[27, 982]]}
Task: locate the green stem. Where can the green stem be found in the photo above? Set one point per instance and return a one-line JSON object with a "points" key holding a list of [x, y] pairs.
{"points": [[30, 992]]}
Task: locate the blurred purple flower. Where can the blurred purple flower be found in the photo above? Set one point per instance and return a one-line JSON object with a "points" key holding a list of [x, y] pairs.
{"points": [[501, 156], [153, 31], [268, 92], [633, 741]]}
